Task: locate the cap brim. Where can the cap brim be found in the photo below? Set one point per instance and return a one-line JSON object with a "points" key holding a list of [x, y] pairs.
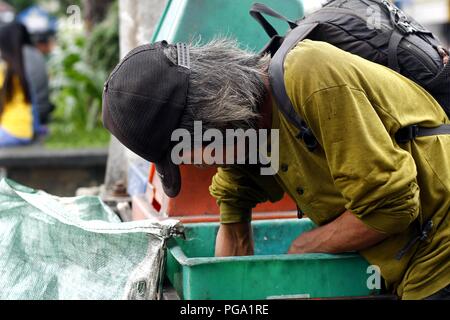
{"points": [[170, 176]]}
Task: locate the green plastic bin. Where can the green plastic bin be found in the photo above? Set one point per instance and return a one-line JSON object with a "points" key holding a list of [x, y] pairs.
{"points": [[187, 20], [197, 275]]}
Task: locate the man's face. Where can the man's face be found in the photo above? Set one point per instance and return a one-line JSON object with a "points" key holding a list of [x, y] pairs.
{"points": [[219, 155], [202, 157], [233, 147]]}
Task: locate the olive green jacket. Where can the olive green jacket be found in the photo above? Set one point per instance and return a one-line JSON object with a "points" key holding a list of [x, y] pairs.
{"points": [[354, 108]]}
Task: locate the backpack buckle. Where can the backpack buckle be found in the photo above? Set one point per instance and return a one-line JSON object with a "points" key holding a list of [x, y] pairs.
{"points": [[407, 134], [405, 27], [308, 138], [399, 18]]}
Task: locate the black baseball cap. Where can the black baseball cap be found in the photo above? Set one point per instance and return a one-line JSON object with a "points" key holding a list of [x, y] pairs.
{"points": [[143, 101]]}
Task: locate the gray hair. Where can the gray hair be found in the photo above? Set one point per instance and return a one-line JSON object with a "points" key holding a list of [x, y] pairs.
{"points": [[226, 86]]}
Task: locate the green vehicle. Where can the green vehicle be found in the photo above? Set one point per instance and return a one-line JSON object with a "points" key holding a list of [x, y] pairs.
{"points": [[194, 20]]}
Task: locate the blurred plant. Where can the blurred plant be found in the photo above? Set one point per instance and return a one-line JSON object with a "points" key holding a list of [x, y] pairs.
{"points": [[103, 43], [78, 69], [76, 87], [58, 7], [95, 11], [20, 5]]}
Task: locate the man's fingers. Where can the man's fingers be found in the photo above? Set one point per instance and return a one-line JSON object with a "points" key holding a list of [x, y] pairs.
{"points": [[293, 249]]}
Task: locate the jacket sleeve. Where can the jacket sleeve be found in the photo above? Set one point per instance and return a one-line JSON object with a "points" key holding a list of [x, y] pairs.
{"points": [[239, 189], [375, 176]]}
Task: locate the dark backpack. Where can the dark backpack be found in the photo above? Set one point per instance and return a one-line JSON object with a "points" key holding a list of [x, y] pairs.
{"points": [[373, 29]]}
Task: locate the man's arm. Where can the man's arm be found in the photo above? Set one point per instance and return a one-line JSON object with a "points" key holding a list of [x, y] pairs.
{"points": [[238, 190], [346, 233], [235, 240]]}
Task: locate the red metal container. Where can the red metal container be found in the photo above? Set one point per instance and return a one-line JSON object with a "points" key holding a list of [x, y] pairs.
{"points": [[195, 204]]}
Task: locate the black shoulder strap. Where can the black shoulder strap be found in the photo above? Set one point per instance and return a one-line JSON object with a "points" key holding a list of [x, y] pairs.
{"points": [[276, 75], [258, 9], [410, 133], [394, 43]]}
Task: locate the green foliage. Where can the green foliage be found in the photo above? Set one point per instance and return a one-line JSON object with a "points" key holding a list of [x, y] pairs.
{"points": [[78, 69], [103, 43], [63, 137], [20, 5], [63, 5]]}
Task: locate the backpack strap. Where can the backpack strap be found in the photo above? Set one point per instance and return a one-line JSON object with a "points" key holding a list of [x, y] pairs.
{"points": [[394, 42], [258, 9], [402, 28], [410, 133], [276, 75], [273, 46]]}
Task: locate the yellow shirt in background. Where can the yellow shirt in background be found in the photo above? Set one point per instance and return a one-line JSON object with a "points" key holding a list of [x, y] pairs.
{"points": [[17, 116]]}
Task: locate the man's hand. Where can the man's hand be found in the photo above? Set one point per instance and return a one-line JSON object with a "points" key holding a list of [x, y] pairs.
{"points": [[346, 233], [234, 240]]}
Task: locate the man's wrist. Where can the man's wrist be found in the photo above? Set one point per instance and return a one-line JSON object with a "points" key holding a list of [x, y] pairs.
{"points": [[235, 240], [310, 242]]}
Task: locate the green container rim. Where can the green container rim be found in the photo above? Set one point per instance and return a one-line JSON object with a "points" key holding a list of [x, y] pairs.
{"points": [[180, 256]]}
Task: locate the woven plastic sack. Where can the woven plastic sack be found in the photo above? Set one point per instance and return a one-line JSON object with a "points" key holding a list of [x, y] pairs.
{"points": [[76, 248]]}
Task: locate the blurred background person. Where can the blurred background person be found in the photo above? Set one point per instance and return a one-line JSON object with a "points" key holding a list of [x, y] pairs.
{"points": [[17, 123], [42, 29], [7, 13]]}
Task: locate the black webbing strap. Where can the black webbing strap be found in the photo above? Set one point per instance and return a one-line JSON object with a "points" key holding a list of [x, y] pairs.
{"points": [[276, 75], [394, 42], [422, 236], [258, 9], [381, 39], [410, 133], [273, 46]]}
